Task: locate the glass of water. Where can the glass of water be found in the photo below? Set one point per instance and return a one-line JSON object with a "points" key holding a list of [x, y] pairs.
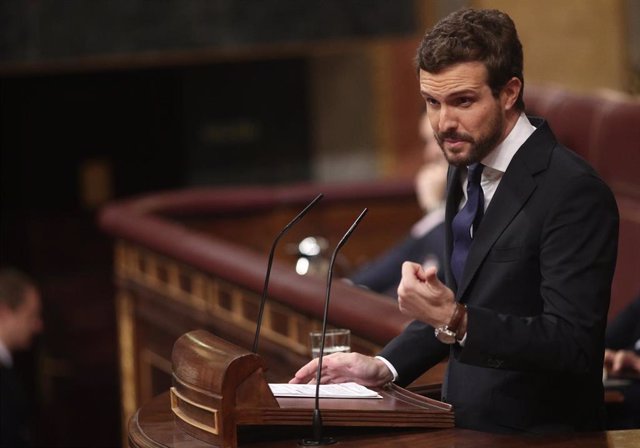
{"points": [[336, 340]]}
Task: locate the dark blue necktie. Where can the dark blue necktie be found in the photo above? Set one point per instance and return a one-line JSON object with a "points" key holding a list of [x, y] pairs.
{"points": [[466, 221]]}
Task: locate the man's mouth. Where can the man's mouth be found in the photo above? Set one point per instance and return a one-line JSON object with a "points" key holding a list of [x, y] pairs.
{"points": [[453, 140]]}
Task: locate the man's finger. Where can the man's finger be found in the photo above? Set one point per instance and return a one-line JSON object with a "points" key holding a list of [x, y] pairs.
{"points": [[618, 361], [305, 373], [411, 270], [431, 276]]}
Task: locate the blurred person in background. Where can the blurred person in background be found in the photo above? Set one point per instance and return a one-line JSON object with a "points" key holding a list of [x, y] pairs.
{"points": [[425, 242], [622, 362], [20, 321]]}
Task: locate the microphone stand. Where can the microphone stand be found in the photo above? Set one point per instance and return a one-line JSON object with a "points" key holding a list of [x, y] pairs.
{"points": [[266, 278], [318, 439]]}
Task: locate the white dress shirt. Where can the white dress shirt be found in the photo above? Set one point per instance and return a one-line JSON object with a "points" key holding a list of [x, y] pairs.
{"points": [[5, 355]]}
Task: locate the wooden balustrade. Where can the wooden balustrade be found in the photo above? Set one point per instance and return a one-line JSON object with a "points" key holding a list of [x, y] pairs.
{"points": [[196, 259]]}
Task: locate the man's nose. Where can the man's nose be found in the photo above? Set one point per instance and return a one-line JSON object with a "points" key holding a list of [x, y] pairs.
{"points": [[448, 119]]}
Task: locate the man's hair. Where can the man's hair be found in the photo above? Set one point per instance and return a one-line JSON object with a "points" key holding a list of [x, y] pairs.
{"points": [[475, 35], [13, 287]]}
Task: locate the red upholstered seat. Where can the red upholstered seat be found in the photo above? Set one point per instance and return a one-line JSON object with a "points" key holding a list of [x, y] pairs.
{"points": [[572, 117], [540, 100], [616, 146], [573, 120]]}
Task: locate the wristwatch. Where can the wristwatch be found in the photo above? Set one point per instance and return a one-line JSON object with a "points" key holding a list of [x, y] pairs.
{"points": [[447, 333]]}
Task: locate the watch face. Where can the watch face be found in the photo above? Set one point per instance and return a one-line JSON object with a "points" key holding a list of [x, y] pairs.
{"points": [[443, 334]]}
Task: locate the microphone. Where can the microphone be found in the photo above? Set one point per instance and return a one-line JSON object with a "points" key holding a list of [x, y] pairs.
{"points": [[266, 278], [318, 439]]}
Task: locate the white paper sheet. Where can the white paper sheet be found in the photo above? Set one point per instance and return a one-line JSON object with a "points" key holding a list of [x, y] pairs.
{"points": [[343, 390]]}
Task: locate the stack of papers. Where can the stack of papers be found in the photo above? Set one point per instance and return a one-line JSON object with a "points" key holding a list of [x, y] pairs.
{"points": [[342, 390]]}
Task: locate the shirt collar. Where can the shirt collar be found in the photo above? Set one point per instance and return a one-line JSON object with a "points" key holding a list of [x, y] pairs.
{"points": [[500, 158]]}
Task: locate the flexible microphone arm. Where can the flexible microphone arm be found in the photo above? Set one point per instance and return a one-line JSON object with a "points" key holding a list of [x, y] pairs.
{"points": [[266, 278], [318, 439]]}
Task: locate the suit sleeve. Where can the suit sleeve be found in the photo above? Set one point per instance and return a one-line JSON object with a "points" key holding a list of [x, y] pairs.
{"points": [[414, 351], [576, 258], [385, 272]]}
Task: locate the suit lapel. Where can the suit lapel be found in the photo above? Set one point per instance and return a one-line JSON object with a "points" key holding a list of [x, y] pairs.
{"points": [[516, 186]]}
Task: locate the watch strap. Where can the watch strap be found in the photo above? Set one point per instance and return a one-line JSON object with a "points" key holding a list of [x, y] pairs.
{"points": [[456, 318]]}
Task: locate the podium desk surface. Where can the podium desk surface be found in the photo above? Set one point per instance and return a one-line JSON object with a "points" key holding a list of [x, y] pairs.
{"points": [[153, 426]]}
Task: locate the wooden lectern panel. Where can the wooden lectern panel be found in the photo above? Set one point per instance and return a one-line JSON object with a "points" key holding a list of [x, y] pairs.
{"points": [[219, 386]]}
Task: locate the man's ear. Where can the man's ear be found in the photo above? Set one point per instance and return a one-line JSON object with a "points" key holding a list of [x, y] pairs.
{"points": [[510, 93]]}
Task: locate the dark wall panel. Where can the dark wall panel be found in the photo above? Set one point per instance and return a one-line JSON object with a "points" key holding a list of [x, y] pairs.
{"points": [[50, 29]]}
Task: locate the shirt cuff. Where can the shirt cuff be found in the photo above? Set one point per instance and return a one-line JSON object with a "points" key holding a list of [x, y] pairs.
{"points": [[389, 366]]}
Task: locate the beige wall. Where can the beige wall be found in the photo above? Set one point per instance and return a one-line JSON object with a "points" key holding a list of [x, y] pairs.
{"points": [[581, 44], [342, 116]]}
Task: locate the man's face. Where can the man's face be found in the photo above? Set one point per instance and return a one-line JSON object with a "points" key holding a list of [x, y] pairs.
{"points": [[24, 322], [467, 119]]}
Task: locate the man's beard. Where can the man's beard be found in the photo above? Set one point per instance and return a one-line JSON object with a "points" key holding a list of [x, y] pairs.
{"points": [[479, 148]]}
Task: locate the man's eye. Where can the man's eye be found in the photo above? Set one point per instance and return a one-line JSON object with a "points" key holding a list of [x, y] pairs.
{"points": [[431, 102], [464, 101]]}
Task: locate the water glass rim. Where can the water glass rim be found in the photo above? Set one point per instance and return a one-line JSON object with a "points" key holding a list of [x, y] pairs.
{"points": [[331, 331]]}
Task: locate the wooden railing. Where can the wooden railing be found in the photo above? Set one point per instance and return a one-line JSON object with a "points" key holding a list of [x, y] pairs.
{"points": [[197, 259]]}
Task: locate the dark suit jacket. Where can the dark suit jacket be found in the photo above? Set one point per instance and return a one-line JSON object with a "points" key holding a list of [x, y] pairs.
{"points": [[14, 422], [537, 285], [384, 273]]}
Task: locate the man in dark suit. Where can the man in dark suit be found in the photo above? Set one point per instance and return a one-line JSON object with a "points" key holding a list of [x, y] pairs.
{"points": [[531, 248], [20, 321]]}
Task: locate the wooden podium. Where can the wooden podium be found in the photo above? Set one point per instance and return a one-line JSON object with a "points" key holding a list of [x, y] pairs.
{"points": [[218, 387]]}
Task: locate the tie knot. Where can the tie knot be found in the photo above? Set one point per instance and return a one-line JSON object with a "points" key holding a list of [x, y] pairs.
{"points": [[475, 173]]}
